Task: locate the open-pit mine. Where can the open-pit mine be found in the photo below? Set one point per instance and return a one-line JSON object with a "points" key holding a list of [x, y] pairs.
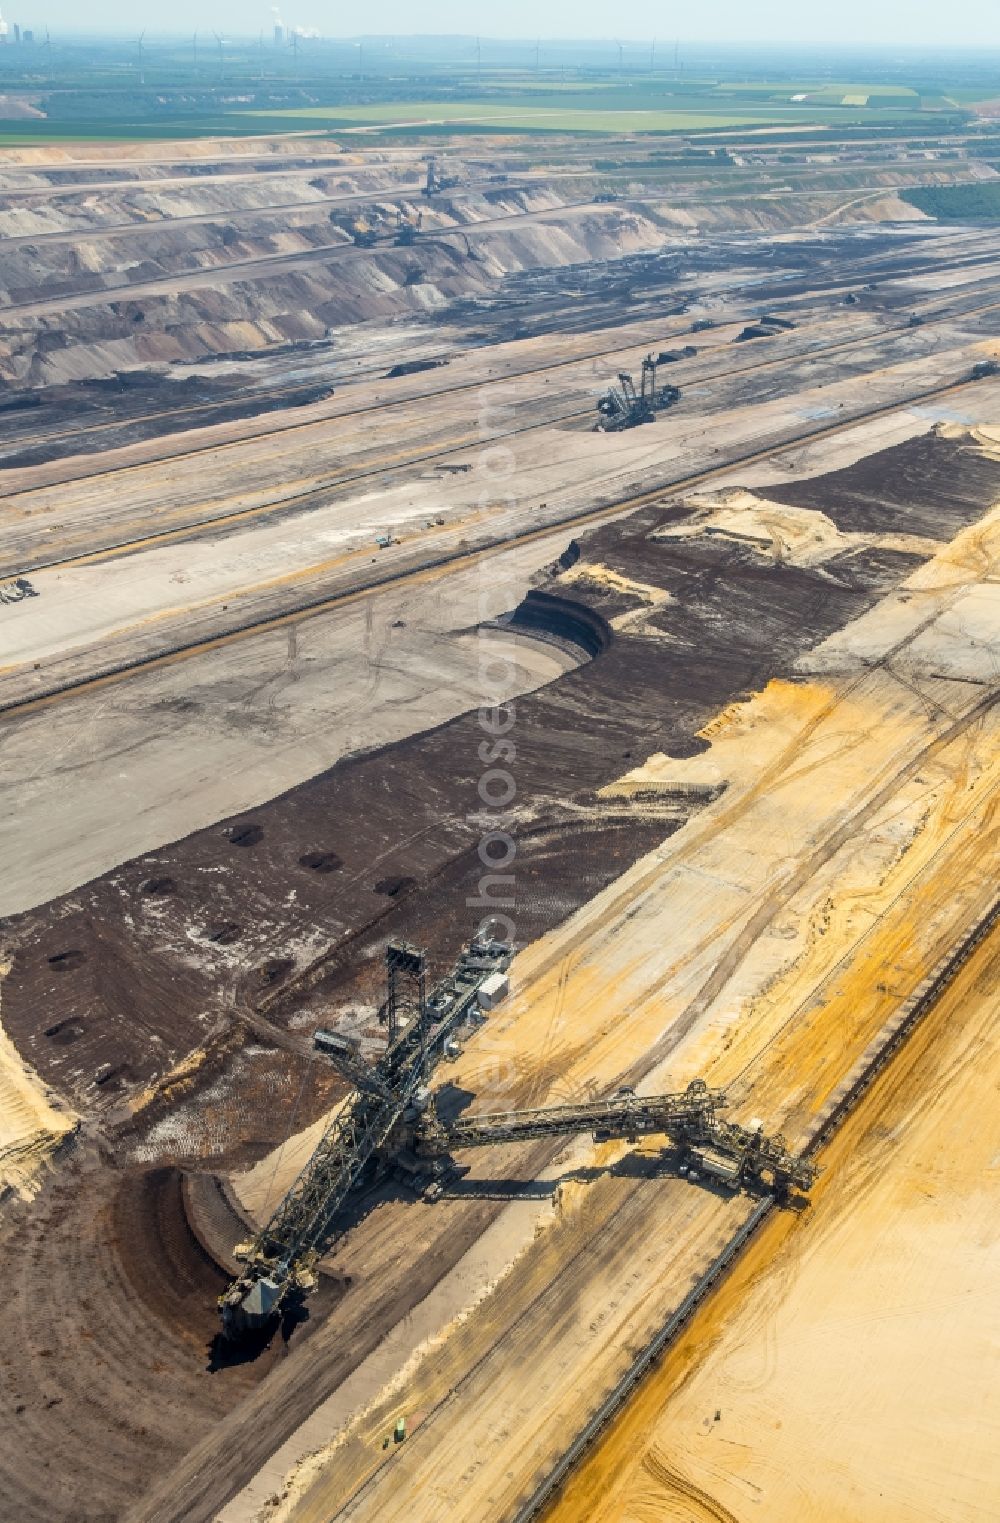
{"points": [[499, 715]]}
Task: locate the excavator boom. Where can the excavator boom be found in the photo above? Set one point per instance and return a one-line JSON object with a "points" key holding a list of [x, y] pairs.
{"points": [[738, 1156], [624, 1115], [390, 1118]]}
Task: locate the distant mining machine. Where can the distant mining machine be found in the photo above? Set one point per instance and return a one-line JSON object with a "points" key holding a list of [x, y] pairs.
{"points": [[436, 182], [366, 231], [392, 1125], [623, 406], [408, 224], [373, 226]]}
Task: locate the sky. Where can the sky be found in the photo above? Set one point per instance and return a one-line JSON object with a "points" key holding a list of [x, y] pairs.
{"points": [[961, 23]]}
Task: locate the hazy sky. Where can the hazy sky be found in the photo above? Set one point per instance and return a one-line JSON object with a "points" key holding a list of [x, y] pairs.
{"points": [[969, 23]]}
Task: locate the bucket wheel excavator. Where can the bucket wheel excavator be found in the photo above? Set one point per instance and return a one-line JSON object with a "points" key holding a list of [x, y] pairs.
{"points": [[391, 1124], [622, 406]]}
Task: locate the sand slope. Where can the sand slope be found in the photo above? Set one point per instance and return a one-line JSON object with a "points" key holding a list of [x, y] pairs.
{"points": [[858, 1378], [30, 1127]]}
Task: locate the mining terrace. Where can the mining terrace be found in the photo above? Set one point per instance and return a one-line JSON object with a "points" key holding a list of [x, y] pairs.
{"points": [[276, 509]]}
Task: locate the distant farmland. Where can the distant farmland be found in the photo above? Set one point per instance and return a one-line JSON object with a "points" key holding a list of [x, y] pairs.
{"points": [[643, 113], [958, 203]]}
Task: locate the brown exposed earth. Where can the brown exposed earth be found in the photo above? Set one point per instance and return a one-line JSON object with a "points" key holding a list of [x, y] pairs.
{"points": [[182, 937], [194, 950], [243, 747]]}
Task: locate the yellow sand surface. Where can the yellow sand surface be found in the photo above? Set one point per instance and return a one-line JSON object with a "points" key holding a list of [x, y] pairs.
{"points": [[788, 534], [595, 575], [260, 1188], [850, 1372], [30, 1126], [764, 946]]}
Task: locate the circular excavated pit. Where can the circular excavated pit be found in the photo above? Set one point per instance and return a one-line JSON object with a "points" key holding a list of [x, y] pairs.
{"points": [[321, 861], [566, 621], [225, 933], [156, 887], [393, 886], [108, 1317], [62, 962], [274, 968], [244, 834], [65, 1032]]}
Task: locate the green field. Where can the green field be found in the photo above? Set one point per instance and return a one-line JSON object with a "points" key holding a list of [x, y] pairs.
{"points": [[97, 92], [958, 203], [115, 130], [520, 118], [522, 114], [804, 87]]}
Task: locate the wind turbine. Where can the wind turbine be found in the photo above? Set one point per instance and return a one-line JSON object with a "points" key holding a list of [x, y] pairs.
{"points": [[138, 43], [194, 52], [222, 69], [621, 58]]}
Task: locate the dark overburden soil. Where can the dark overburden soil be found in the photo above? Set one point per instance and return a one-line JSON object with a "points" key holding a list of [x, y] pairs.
{"points": [[931, 485], [65, 413], [149, 961], [108, 1311], [579, 298], [242, 937]]}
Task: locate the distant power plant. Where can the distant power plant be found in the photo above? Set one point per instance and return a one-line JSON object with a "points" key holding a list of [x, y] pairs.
{"points": [[11, 33]]}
